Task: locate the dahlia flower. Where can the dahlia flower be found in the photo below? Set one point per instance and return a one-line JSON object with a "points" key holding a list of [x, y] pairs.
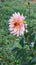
{"points": [[17, 25]]}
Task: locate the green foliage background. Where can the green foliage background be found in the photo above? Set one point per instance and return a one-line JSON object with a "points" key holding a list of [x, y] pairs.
{"points": [[8, 41]]}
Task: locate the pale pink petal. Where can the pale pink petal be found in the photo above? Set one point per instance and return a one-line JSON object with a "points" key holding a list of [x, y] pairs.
{"points": [[23, 17], [26, 30], [25, 25], [18, 33]]}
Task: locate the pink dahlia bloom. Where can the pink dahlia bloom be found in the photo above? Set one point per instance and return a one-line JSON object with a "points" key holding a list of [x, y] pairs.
{"points": [[17, 26]]}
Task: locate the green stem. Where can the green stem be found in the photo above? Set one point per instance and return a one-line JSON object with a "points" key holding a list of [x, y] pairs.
{"points": [[29, 12]]}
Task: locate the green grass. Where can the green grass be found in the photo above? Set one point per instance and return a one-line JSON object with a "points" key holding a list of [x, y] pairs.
{"points": [[8, 41]]}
